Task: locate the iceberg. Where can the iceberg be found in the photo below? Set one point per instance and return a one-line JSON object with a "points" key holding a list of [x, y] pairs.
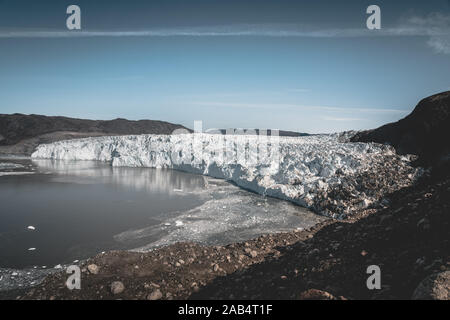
{"points": [[10, 165], [325, 173]]}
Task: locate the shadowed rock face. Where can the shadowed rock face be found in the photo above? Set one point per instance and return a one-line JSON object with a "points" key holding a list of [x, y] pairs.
{"points": [[424, 132], [21, 133]]}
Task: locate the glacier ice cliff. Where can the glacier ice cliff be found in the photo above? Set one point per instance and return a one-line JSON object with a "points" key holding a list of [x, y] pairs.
{"points": [[322, 172]]}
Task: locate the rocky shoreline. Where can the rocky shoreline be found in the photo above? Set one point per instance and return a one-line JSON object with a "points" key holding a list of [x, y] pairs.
{"points": [[409, 240]]}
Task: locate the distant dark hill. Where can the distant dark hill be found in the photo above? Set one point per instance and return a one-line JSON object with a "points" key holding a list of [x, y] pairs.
{"points": [[282, 133], [425, 132], [20, 134]]}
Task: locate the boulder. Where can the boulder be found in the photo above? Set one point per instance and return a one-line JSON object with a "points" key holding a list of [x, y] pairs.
{"points": [[434, 287], [117, 287], [315, 294]]}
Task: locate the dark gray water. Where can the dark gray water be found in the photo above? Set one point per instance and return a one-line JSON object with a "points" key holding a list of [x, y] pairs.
{"points": [[79, 209]]}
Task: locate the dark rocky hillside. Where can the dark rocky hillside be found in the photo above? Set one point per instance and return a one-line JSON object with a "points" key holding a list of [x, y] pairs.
{"points": [[20, 133], [424, 132]]}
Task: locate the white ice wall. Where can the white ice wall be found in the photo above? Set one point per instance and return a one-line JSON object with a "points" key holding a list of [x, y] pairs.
{"points": [[301, 169]]}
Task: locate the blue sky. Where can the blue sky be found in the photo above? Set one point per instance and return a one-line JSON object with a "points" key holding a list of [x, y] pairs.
{"points": [[294, 65]]}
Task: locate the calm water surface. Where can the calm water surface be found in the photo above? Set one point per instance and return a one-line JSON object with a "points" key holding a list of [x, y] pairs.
{"points": [[81, 208]]}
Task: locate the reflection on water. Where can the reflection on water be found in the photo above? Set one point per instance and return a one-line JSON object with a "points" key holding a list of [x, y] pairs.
{"points": [[147, 179], [81, 208], [78, 207]]}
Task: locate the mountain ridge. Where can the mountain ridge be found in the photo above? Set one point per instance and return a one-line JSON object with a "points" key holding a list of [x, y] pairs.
{"points": [[21, 133], [423, 132]]}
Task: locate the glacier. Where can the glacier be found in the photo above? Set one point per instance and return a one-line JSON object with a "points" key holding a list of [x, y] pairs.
{"points": [[325, 173]]}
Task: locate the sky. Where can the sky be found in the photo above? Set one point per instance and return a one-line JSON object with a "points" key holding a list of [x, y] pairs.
{"points": [[307, 66]]}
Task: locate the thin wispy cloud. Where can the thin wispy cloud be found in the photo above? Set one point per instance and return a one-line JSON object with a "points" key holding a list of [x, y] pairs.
{"points": [[231, 31], [239, 94], [440, 44], [435, 26], [126, 78], [413, 26], [299, 90], [297, 107], [341, 119]]}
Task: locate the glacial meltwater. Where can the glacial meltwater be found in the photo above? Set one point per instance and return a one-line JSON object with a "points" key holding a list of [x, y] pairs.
{"points": [[54, 212]]}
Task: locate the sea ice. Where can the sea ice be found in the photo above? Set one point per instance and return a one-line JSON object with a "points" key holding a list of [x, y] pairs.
{"points": [[211, 224]]}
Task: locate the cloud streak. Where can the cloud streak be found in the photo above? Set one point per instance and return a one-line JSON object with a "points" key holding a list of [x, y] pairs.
{"points": [[412, 28], [435, 26], [232, 32], [341, 119], [297, 106]]}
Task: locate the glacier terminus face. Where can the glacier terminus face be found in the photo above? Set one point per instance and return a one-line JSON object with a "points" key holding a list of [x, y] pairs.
{"points": [[322, 172]]}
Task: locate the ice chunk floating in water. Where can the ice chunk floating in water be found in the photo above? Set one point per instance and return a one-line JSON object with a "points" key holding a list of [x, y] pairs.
{"points": [[10, 165]]}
